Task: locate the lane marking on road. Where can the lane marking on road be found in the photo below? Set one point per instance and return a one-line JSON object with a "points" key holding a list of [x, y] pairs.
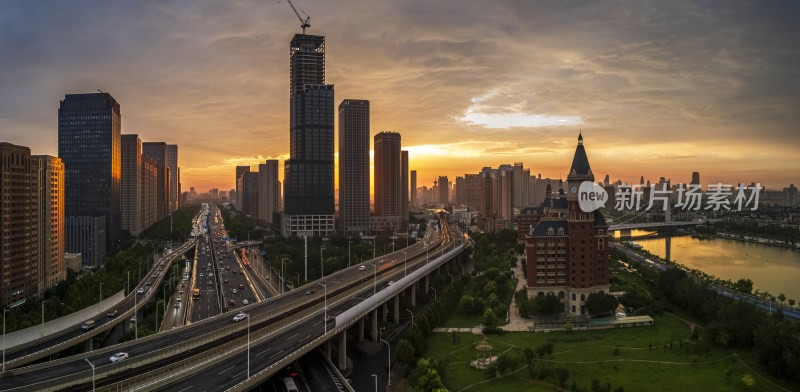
{"points": [[225, 370], [290, 337], [186, 388], [237, 374]]}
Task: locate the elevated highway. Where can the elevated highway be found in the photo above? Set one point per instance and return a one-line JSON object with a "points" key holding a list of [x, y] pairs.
{"points": [[215, 351]]}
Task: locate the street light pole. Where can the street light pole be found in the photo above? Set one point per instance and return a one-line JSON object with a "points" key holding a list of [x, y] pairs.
{"points": [[135, 313], [101, 291], [128, 285], [412, 316], [4, 338], [92, 365], [389, 383], [376, 382], [283, 274], [165, 313], [42, 318], [248, 346], [405, 263], [325, 299], [321, 265], [375, 282], [451, 278], [434, 292], [348, 253]]}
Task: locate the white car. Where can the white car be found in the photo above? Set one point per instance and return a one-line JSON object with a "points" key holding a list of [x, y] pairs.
{"points": [[391, 282], [239, 317], [234, 291], [118, 357], [362, 268], [245, 302], [140, 291]]}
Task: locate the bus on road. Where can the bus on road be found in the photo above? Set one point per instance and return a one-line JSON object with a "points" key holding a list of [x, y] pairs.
{"points": [[196, 294]]}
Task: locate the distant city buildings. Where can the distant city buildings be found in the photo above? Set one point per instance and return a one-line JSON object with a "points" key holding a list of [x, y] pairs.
{"points": [[158, 151], [50, 175], [269, 191]]}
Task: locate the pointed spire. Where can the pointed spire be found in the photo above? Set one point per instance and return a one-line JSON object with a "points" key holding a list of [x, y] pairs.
{"points": [[580, 138], [580, 163]]}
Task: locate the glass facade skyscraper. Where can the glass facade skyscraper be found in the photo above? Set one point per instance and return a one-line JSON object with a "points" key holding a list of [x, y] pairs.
{"points": [[89, 144]]}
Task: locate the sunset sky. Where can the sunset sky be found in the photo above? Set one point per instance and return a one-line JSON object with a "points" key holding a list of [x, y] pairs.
{"points": [[658, 88]]}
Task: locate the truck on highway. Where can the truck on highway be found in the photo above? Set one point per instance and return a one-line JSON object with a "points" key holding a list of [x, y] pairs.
{"points": [[87, 325]]}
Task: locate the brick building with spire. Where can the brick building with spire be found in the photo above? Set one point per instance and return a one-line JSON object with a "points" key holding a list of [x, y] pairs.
{"points": [[567, 250]]}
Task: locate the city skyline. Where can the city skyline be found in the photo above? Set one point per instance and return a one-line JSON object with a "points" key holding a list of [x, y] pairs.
{"points": [[467, 85]]}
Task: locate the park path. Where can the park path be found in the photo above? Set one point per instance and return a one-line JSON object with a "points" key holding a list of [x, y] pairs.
{"points": [[515, 321]]}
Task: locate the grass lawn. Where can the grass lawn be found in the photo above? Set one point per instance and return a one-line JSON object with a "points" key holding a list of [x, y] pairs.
{"points": [[620, 357]]}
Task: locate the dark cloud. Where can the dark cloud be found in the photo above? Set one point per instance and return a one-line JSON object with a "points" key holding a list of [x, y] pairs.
{"points": [[690, 77]]}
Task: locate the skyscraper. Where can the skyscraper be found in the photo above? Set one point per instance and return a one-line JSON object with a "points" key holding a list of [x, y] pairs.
{"points": [[158, 151], [240, 172], [388, 179], [269, 190], [52, 269], [89, 145], [413, 188], [19, 225], [404, 188], [695, 178], [131, 184], [354, 179], [444, 189], [174, 176], [308, 173], [148, 202]]}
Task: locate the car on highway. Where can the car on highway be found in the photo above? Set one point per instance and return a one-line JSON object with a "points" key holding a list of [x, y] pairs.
{"points": [[312, 291], [245, 302], [234, 291], [119, 357], [329, 319], [113, 313], [361, 268], [239, 317], [232, 303], [154, 276], [391, 282], [133, 320], [241, 287], [140, 291], [180, 292], [149, 283], [226, 281]]}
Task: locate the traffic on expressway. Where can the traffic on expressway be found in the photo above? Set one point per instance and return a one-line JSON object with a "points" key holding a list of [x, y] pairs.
{"points": [[213, 351]]}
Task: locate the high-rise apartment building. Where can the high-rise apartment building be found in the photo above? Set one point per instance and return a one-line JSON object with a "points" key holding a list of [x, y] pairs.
{"points": [[174, 176], [404, 188], [158, 151], [388, 176], [444, 189], [148, 211], [240, 172], [131, 184], [89, 145], [19, 225], [52, 269], [269, 190], [308, 173], [568, 256], [413, 188], [251, 194], [354, 181]]}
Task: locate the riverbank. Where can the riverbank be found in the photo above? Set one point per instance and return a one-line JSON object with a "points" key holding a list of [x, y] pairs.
{"points": [[744, 238]]}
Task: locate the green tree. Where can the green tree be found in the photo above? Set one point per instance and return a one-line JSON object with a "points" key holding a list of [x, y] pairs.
{"points": [[489, 319], [601, 303], [562, 375], [405, 354], [547, 305], [791, 302], [781, 297], [744, 286]]}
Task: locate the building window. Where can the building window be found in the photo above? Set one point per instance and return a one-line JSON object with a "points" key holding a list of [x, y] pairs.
{"points": [[561, 294], [583, 297], [573, 308], [573, 298], [600, 243]]}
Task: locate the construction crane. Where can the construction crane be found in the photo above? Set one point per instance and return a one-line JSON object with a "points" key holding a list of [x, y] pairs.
{"points": [[303, 23]]}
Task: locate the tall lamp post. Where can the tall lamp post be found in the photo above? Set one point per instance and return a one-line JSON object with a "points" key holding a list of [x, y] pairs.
{"points": [[325, 299], [375, 282], [390, 360], [376, 382], [283, 274], [165, 312], [434, 292], [42, 319], [92, 365], [348, 253], [405, 263], [321, 265], [412, 316], [135, 313], [4, 338], [248, 346], [451, 278], [101, 291]]}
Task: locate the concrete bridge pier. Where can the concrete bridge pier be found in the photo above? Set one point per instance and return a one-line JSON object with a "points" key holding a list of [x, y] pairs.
{"points": [[427, 284], [375, 325], [397, 308], [361, 329], [343, 350], [414, 294], [327, 347]]}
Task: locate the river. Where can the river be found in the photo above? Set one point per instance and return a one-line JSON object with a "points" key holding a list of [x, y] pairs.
{"points": [[771, 268]]}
